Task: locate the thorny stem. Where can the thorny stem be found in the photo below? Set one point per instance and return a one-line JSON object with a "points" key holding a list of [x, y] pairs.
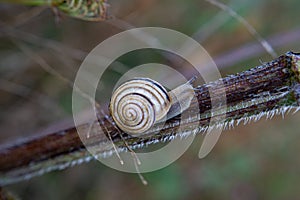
{"points": [[266, 90]]}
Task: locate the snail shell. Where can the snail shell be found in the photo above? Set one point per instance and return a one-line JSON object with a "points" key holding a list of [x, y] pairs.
{"points": [[139, 103]]}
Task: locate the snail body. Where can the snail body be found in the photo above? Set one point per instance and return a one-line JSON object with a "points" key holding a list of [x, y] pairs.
{"points": [[138, 104]]}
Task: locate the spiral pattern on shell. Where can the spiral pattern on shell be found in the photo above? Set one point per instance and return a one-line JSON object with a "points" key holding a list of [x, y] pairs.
{"points": [[137, 104]]}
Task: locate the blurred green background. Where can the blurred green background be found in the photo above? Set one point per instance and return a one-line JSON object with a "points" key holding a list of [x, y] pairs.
{"points": [[255, 161]]}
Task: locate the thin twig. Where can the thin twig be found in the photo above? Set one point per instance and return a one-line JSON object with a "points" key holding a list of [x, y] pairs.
{"points": [[248, 26]]}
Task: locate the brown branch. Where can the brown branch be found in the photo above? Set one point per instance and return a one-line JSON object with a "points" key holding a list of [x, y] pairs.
{"points": [[264, 90]]}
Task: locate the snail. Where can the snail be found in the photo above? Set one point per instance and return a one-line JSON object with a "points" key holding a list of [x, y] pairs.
{"points": [[138, 104]]}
